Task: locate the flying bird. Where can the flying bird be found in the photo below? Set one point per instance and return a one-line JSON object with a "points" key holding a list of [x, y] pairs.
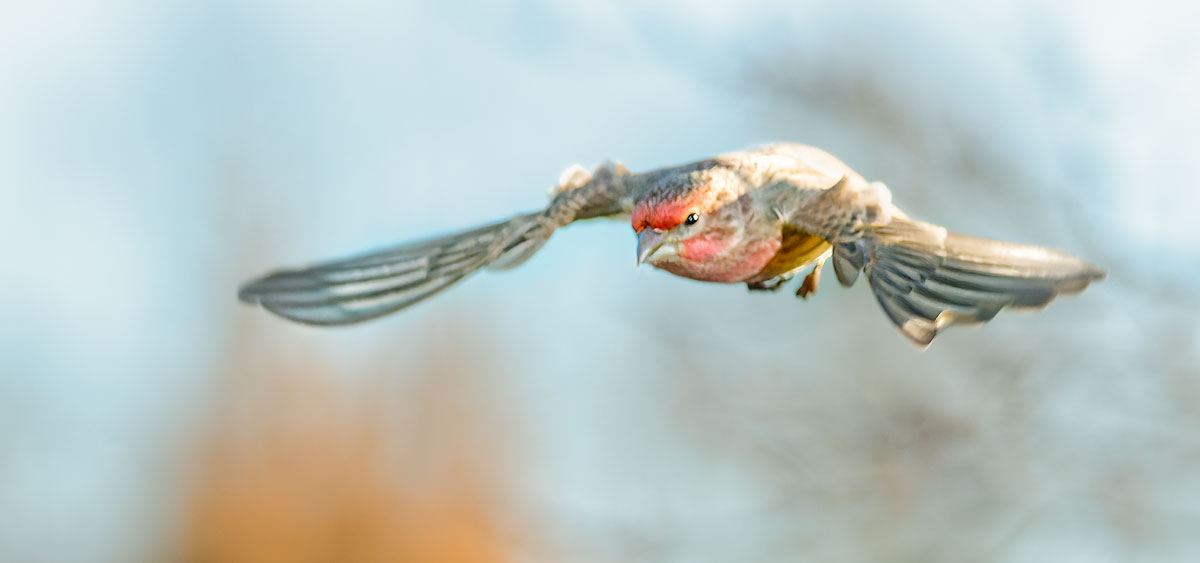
{"points": [[757, 217]]}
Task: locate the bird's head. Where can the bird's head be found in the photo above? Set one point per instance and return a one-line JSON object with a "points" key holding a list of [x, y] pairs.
{"points": [[695, 228]]}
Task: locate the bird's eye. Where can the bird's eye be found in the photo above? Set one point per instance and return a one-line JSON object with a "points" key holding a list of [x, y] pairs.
{"points": [[692, 219]]}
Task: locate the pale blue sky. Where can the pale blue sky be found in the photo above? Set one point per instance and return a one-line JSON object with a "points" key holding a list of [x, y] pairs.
{"points": [[155, 154]]}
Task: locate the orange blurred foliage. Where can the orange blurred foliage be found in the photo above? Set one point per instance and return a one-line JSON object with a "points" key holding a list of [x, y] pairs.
{"points": [[300, 466]]}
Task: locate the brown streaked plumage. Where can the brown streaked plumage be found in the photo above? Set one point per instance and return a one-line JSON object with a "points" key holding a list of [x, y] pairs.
{"points": [[757, 217]]}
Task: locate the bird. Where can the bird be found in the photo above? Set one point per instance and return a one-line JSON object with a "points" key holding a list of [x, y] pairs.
{"points": [[757, 217]]}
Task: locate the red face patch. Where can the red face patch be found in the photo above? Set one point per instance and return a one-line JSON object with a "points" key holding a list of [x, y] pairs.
{"points": [[664, 215]]}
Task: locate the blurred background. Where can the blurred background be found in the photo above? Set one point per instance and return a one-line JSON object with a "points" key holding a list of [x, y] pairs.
{"points": [[154, 155]]}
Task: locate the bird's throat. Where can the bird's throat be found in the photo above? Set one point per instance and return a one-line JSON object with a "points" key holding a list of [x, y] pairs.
{"points": [[706, 259]]}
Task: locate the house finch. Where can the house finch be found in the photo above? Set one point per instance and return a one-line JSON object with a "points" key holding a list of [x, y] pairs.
{"points": [[757, 217]]}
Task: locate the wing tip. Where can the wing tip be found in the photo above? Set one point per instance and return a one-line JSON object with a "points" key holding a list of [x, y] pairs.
{"points": [[248, 294]]}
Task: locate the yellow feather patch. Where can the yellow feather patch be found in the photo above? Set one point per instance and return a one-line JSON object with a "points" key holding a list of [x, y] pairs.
{"points": [[797, 250]]}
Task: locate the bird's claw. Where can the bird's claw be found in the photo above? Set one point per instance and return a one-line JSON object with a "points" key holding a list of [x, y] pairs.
{"points": [[811, 281]]}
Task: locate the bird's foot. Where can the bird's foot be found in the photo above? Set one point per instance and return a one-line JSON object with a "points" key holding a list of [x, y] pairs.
{"points": [[811, 281]]}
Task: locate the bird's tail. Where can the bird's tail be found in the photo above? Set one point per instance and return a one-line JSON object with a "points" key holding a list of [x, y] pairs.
{"points": [[377, 283], [927, 279]]}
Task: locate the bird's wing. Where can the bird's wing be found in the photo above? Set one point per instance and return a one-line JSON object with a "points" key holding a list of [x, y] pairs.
{"points": [[925, 278], [810, 189], [377, 283], [370, 285]]}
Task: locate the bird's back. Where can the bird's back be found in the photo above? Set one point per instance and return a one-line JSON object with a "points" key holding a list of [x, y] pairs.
{"points": [[802, 166]]}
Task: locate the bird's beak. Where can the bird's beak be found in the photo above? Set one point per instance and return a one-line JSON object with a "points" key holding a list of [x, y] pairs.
{"points": [[649, 241]]}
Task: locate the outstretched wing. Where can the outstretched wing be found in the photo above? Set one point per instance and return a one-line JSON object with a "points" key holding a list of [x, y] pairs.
{"points": [[371, 285], [375, 284], [925, 278]]}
